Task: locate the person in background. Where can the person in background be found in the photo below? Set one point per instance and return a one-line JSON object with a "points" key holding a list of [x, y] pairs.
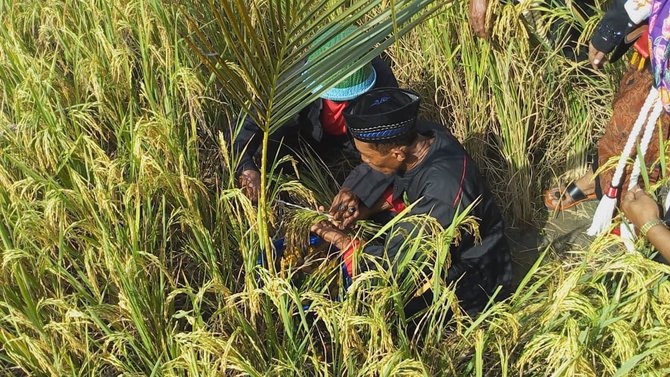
{"points": [[644, 213], [620, 27], [560, 33], [428, 166], [321, 123]]}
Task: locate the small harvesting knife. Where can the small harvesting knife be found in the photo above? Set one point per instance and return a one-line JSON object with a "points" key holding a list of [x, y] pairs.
{"points": [[302, 208]]}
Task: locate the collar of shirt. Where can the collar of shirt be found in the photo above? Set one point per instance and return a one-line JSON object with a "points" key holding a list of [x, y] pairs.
{"points": [[402, 180]]}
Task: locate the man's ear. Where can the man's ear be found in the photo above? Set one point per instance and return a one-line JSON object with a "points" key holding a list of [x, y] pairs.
{"points": [[400, 153]]}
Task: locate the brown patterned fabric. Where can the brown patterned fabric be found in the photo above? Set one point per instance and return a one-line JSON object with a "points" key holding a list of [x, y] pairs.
{"points": [[628, 101]]}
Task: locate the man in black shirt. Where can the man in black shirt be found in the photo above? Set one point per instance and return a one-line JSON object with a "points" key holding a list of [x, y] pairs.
{"points": [[428, 166]]}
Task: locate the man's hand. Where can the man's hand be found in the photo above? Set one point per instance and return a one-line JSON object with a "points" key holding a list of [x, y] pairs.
{"points": [[329, 233], [639, 207], [478, 17], [596, 57], [250, 183], [346, 207]]}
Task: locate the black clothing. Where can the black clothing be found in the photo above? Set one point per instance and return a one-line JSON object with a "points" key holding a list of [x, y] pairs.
{"points": [[566, 34], [613, 27], [446, 182]]}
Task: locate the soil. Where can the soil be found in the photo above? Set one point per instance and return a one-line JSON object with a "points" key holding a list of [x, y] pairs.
{"points": [[561, 232]]}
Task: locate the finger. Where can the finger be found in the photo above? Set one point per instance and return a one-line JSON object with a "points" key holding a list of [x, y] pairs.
{"points": [[336, 203], [349, 216], [251, 194], [350, 219], [325, 224], [339, 212], [349, 202], [592, 56], [598, 59], [335, 224], [319, 226], [478, 27]]}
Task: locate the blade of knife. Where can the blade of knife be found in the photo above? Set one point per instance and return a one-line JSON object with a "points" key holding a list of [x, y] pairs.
{"points": [[302, 208]]}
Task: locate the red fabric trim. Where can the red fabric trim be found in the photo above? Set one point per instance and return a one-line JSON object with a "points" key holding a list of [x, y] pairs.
{"points": [[460, 185], [397, 205], [642, 44], [332, 119], [612, 192], [348, 256]]}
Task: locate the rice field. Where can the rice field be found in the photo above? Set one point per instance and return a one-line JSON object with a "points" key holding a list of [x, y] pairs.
{"points": [[127, 249]]}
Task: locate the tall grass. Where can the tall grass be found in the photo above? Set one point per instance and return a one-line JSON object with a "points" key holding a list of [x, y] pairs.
{"points": [[126, 248]]}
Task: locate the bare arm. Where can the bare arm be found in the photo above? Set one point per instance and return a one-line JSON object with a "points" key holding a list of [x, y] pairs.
{"points": [[477, 17], [659, 236], [641, 209]]}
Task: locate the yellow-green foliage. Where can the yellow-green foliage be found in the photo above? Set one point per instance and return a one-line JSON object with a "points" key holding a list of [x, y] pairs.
{"points": [[126, 249]]}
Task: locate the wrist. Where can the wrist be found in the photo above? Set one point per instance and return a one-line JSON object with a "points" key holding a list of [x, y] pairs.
{"points": [[344, 243], [246, 165], [651, 224]]}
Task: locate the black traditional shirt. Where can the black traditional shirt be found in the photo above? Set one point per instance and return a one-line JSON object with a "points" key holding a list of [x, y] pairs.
{"points": [[444, 183]]}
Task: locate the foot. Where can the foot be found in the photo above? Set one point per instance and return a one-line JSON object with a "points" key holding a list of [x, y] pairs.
{"points": [[561, 198]]}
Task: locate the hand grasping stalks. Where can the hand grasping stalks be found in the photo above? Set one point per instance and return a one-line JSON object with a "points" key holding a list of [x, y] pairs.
{"points": [[296, 235]]}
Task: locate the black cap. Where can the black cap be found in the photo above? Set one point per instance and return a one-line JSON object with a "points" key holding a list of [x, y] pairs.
{"points": [[382, 115]]}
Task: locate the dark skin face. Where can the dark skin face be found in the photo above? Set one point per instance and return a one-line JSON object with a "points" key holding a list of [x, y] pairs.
{"points": [[346, 208], [387, 163]]}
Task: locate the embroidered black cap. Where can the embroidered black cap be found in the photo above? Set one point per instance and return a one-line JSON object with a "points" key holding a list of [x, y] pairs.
{"points": [[382, 115]]}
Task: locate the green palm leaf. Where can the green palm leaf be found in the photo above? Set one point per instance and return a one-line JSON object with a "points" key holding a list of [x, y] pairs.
{"points": [[261, 59]]}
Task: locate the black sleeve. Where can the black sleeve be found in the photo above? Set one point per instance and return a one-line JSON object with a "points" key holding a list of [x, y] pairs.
{"points": [[246, 143], [613, 27], [367, 183], [250, 137]]}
